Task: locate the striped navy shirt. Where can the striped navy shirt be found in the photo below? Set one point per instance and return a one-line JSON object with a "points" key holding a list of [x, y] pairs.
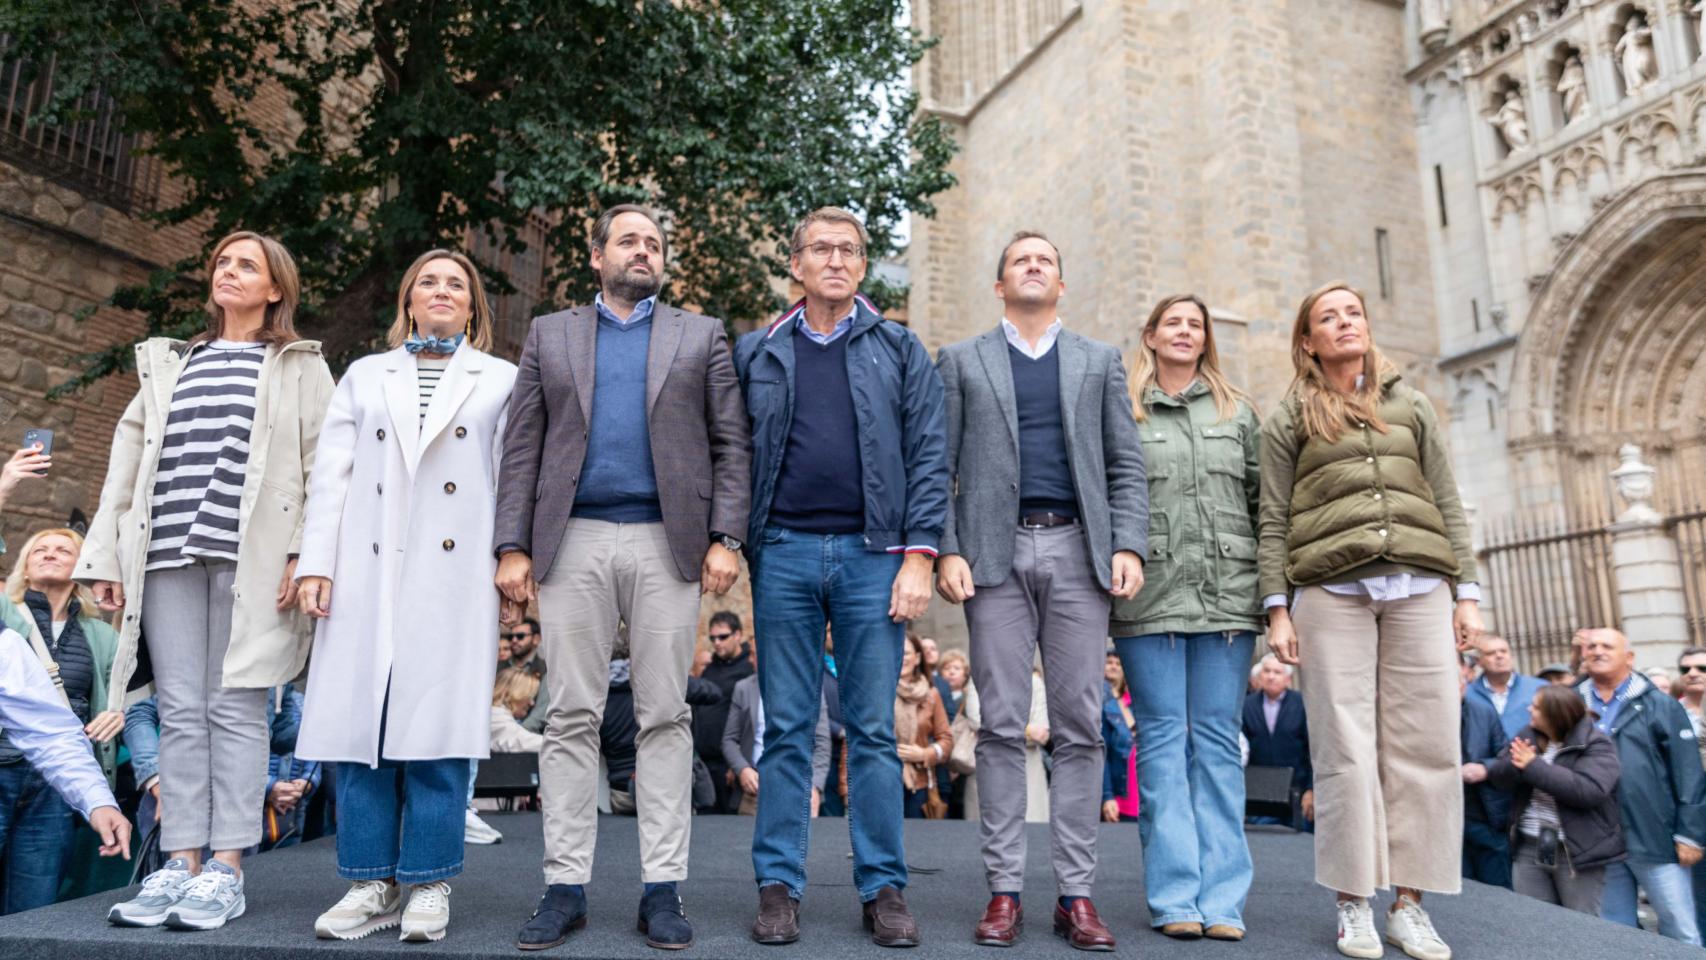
{"points": [[428, 372], [198, 487]]}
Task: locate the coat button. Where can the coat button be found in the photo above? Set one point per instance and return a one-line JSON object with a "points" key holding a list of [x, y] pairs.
{"points": [[1370, 459], [379, 488], [1377, 496], [1012, 486], [381, 434], [376, 549], [461, 432], [1383, 533], [450, 488], [450, 544], [1224, 548]]}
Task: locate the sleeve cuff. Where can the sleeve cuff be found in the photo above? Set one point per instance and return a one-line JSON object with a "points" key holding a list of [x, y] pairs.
{"points": [[921, 541], [1275, 600], [1679, 838], [504, 548], [1469, 591]]}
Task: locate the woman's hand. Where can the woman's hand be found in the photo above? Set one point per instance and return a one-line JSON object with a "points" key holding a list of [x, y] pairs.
{"points": [[27, 464], [1282, 636], [105, 726], [1466, 624], [1522, 753], [109, 595], [912, 753], [1036, 735], [287, 586], [314, 596]]}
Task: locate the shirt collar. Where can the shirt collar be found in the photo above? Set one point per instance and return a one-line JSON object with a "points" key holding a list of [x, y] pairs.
{"points": [[1045, 343], [841, 326], [642, 310], [1620, 693]]}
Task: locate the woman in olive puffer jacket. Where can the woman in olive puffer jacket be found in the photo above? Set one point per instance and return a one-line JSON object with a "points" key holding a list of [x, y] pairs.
{"points": [[1185, 641]]}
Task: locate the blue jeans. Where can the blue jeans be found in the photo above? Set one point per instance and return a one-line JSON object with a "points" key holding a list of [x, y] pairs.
{"points": [[800, 583], [36, 830], [1187, 693], [1668, 890], [403, 819]]}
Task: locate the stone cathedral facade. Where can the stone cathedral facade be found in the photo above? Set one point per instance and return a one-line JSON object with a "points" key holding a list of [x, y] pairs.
{"points": [[1518, 186]]}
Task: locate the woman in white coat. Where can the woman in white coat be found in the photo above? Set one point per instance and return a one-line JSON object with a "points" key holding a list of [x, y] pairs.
{"points": [[396, 563]]}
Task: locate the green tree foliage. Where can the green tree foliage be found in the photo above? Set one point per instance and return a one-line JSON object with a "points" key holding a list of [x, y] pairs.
{"points": [[413, 121]]}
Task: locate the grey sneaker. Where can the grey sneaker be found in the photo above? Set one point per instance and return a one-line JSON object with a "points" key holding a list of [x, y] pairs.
{"points": [[369, 906], [210, 899], [428, 914], [161, 891]]}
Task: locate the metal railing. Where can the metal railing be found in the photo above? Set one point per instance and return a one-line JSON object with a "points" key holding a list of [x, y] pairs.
{"points": [[1546, 578], [91, 154]]}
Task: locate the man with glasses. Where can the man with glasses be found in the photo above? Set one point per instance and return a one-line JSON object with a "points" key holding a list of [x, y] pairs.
{"points": [[731, 662], [849, 497], [621, 490], [524, 653]]}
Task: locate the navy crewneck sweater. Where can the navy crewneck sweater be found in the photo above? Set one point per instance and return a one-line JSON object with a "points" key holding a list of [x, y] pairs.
{"points": [[820, 488]]}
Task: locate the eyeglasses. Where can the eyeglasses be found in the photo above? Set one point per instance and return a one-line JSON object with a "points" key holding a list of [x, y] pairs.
{"points": [[823, 251], [518, 635], [1692, 668], [720, 637]]}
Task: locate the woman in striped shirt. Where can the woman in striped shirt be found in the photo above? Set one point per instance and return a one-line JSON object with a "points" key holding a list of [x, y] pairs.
{"points": [[195, 540]]}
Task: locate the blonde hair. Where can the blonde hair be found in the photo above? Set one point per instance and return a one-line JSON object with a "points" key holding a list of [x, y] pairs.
{"points": [[1144, 366], [514, 688], [954, 656], [17, 582], [479, 328], [1327, 409], [278, 322]]}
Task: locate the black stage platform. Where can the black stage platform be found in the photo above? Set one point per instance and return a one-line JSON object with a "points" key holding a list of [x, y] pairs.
{"points": [[1287, 914]]}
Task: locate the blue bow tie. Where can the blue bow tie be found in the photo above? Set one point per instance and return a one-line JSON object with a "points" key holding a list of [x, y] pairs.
{"points": [[419, 344]]}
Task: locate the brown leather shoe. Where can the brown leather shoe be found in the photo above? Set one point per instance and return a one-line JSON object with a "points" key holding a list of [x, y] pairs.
{"points": [[889, 922], [778, 915], [1003, 921], [1223, 931], [1081, 927], [1183, 930]]}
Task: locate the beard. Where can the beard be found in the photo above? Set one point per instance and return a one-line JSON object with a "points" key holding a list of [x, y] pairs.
{"points": [[631, 285]]}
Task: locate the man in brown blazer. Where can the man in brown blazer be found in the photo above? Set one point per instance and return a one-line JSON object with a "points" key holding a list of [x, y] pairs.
{"points": [[623, 488]]}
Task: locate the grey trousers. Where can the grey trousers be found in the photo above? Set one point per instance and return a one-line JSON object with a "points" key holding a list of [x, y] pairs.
{"points": [[1050, 600], [1577, 890], [213, 738], [606, 574]]}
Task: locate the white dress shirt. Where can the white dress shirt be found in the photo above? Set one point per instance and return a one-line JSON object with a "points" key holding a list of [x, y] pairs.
{"points": [[1045, 343], [45, 730]]}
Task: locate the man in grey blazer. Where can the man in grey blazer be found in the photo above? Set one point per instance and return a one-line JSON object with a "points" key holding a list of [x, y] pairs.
{"points": [[623, 485], [743, 744], [1050, 516]]}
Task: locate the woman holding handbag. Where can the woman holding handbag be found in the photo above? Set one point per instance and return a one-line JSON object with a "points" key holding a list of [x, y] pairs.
{"points": [[921, 733]]}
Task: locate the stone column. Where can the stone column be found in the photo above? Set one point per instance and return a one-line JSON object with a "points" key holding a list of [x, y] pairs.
{"points": [[1646, 568]]}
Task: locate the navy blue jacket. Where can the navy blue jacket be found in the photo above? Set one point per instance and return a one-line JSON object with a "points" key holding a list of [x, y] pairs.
{"points": [[903, 440], [1662, 790], [1515, 715], [1483, 738], [1288, 745]]}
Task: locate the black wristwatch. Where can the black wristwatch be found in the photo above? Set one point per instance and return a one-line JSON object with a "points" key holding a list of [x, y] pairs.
{"points": [[728, 542]]}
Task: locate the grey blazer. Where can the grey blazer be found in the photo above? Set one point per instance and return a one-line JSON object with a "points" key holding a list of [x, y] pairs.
{"points": [[700, 439], [983, 453], [739, 729]]}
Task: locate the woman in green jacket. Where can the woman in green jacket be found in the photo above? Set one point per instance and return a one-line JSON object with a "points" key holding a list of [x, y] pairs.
{"points": [[1185, 641], [1363, 542], [43, 603]]}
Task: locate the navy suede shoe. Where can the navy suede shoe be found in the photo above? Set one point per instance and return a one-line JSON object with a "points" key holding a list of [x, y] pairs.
{"points": [[664, 921], [561, 911]]}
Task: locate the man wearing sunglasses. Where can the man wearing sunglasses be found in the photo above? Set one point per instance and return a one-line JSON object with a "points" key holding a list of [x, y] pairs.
{"points": [[731, 662]]}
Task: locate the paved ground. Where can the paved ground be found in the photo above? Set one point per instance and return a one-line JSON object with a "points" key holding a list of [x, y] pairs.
{"points": [[1287, 914]]}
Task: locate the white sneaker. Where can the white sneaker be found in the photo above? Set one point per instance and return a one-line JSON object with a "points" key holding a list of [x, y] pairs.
{"points": [[475, 830], [1408, 926], [429, 912], [212, 898], [369, 905], [161, 891], [1356, 930]]}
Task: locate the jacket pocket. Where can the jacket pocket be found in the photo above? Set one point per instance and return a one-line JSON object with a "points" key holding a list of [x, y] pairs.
{"points": [[1222, 449], [1157, 452], [1235, 567]]}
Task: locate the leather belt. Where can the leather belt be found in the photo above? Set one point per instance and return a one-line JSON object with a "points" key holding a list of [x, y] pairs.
{"points": [[1036, 521]]}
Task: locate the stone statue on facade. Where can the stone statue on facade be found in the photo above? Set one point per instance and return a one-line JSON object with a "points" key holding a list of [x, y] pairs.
{"points": [[1634, 480], [1512, 120], [1699, 9], [1573, 88], [1635, 56], [1434, 19]]}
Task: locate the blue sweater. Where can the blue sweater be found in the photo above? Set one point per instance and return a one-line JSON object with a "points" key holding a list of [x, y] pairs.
{"points": [[1045, 473], [820, 486], [618, 482]]}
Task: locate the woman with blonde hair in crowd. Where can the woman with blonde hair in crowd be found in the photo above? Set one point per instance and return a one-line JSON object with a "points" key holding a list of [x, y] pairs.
{"points": [[1363, 543], [512, 698], [195, 541], [398, 539], [1186, 639]]}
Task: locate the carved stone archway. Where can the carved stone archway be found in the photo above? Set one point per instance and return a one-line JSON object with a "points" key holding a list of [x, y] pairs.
{"points": [[1612, 352]]}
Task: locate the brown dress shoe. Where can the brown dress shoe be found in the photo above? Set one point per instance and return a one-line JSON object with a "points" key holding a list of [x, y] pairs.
{"points": [[889, 922], [1081, 927], [1184, 930], [778, 915], [1223, 931], [1002, 922]]}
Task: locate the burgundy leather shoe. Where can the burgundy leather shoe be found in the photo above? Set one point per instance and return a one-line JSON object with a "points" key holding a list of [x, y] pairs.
{"points": [[1081, 927], [1003, 921]]}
